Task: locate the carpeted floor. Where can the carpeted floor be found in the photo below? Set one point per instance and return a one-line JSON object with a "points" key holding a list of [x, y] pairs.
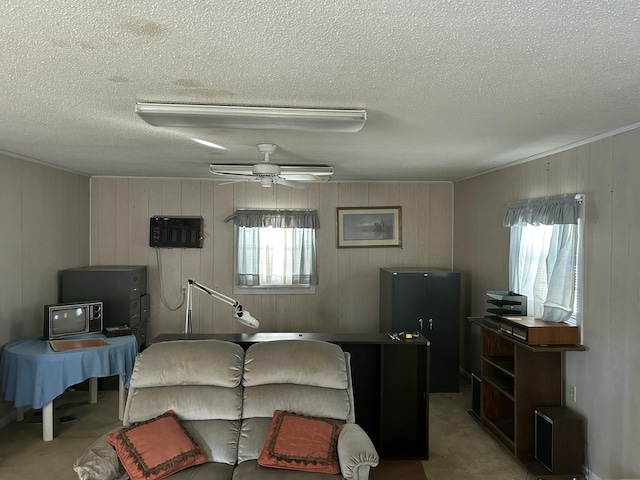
{"points": [[459, 448], [400, 469]]}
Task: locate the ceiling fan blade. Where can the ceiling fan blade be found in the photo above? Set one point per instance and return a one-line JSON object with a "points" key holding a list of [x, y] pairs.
{"points": [[219, 169], [233, 176], [231, 183], [301, 177], [313, 173], [289, 183]]}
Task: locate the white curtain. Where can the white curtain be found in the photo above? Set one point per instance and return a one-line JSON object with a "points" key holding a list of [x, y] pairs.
{"points": [[543, 254], [276, 247], [561, 273]]}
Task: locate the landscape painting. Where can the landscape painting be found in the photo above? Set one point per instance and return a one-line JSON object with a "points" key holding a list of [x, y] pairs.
{"points": [[369, 227]]}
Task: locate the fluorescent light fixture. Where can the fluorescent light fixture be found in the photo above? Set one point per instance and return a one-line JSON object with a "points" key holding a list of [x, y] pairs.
{"points": [[255, 118], [208, 144]]}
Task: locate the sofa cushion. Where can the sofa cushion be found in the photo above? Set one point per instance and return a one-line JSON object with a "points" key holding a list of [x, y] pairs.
{"points": [[263, 400], [252, 435], [218, 439], [157, 448], [187, 362], [251, 471], [298, 442], [190, 402], [206, 471], [301, 362]]}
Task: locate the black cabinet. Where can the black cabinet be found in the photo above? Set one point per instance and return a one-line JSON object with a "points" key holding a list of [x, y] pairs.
{"points": [[121, 289], [426, 301], [404, 403], [390, 384]]}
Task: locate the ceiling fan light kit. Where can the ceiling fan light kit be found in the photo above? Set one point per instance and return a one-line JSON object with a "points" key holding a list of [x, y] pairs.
{"points": [[257, 118]]}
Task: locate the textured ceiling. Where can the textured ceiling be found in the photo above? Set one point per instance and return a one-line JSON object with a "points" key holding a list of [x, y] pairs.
{"points": [[451, 88]]}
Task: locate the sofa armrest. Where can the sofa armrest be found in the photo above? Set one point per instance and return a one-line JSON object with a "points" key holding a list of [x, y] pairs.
{"points": [[356, 452], [100, 462]]}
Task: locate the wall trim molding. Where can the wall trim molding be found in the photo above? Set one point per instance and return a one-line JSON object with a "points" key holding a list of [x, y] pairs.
{"points": [[553, 151]]}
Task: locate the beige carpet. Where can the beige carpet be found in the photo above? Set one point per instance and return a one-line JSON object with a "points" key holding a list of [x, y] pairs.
{"points": [[459, 448], [401, 469]]}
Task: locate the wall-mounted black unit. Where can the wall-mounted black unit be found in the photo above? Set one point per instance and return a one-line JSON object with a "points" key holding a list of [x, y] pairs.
{"points": [[175, 232]]}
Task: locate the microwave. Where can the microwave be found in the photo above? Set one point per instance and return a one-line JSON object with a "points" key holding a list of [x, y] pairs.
{"points": [[67, 319]]}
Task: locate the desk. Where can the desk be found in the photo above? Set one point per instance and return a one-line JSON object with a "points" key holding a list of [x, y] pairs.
{"points": [[390, 384], [32, 373]]}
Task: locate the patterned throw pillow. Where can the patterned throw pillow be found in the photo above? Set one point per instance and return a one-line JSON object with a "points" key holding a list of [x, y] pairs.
{"points": [[297, 442], [156, 448]]}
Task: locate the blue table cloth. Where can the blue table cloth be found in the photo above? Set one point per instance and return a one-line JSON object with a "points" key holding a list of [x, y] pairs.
{"points": [[32, 373]]}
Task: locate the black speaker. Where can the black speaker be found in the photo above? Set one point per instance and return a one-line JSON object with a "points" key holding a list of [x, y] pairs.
{"points": [[476, 386], [559, 440]]}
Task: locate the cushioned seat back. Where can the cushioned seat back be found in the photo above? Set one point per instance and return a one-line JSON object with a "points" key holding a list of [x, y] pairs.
{"points": [[200, 380], [307, 377]]}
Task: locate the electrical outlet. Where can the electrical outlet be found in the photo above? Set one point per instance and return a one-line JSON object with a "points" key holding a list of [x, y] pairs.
{"points": [[216, 288], [183, 289], [572, 393]]}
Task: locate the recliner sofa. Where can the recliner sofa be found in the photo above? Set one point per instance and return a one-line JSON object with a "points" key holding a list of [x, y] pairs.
{"points": [[226, 399]]}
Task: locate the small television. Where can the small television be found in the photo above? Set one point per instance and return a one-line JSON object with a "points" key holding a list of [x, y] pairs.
{"points": [[67, 319]]}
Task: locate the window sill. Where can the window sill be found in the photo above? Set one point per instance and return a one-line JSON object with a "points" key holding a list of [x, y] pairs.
{"points": [[311, 290]]}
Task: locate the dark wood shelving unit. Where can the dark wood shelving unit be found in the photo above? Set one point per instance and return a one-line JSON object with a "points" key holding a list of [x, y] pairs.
{"points": [[517, 378]]}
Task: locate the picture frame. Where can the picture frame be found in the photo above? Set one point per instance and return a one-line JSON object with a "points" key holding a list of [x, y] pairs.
{"points": [[359, 227]]}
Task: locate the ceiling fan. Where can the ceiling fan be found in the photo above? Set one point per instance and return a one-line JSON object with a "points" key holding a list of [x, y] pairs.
{"points": [[268, 174]]}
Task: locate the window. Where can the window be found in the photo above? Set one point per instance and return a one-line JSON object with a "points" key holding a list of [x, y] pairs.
{"points": [[275, 251], [545, 255]]}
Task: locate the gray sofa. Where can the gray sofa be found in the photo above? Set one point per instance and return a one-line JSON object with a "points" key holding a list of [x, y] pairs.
{"points": [[226, 399]]}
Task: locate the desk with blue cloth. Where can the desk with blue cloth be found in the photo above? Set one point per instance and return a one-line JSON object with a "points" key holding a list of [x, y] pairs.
{"points": [[32, 373]]}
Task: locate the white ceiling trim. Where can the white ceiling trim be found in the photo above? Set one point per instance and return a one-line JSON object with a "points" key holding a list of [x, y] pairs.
{"points": [[564, 148]]}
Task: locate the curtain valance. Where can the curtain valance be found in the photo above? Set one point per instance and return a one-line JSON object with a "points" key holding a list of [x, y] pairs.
{"points": [[275, 218], [556, 210]]}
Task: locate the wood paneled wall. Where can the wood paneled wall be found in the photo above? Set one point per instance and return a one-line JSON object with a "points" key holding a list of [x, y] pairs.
{"points": [[44, 227], [44, 218], [606, 375], [347, 298]]}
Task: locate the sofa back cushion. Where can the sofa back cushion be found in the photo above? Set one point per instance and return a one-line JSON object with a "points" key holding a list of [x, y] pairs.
{"points": [[263, 400], [299, 362], [190, 402], [306, 377], [189, 362], [200, 380]]}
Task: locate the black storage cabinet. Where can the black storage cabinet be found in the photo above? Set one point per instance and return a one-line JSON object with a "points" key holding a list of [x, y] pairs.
{"points": [[122, 289], [427, 301]]}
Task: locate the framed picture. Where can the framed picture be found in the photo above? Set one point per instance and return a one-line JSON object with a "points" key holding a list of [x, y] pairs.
{"points": [[369, 227]]}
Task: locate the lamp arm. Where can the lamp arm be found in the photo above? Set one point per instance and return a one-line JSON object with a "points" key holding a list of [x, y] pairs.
{"points": [[240, 314], [192, 283]]}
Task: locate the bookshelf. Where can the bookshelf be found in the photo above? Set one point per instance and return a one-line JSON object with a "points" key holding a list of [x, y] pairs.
{"points": [[516, 379]]}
